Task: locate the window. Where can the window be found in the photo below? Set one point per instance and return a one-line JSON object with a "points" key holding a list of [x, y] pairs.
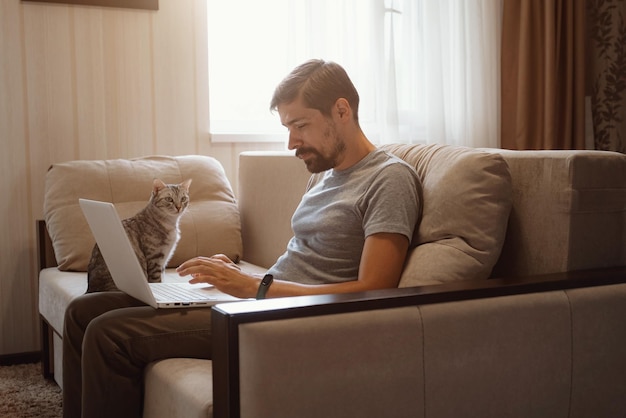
{"points": [[251, 53], [247, 60], [426, 71]]}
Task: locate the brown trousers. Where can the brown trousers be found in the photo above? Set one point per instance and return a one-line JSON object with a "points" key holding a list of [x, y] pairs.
{"points": [[108, 340]]}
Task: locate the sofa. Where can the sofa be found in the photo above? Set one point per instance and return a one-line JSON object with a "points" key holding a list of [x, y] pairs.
{"points": [[511, 303]]}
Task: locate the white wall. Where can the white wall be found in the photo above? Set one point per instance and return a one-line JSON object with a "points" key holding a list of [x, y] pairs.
{"points": [[80, 82]]}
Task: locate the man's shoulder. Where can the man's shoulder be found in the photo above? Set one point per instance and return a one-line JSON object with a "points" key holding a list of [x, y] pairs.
{"points": [[391, 164]]}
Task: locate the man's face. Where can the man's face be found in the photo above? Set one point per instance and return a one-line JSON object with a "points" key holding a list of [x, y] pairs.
{"points": [[313, 136]]}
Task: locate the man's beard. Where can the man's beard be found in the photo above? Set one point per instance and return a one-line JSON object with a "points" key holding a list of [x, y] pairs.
{"points": [[316, 162]]}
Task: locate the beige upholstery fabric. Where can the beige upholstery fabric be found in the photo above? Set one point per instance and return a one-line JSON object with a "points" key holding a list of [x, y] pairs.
{"points": [[271, 185], [467, 201], [569, 212], [211, 224], [550, 354], [498, 357], [335, 365], [194, 385], [598, 341]]}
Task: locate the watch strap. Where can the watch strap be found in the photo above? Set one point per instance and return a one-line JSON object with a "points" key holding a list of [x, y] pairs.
{"points": [[265, 284]]}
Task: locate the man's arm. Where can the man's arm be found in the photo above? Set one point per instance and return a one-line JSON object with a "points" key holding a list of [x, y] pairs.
{"points": [[381, 265]]}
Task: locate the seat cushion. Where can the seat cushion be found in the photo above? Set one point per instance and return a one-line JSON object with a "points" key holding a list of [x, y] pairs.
{"points": [[210, 225], [467, 200], [179, 387]]}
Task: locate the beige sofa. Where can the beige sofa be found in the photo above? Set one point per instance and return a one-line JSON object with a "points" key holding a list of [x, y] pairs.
{"points": [[449, 340]]}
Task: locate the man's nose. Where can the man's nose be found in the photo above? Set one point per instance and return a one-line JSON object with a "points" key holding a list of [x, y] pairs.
{"points": [[294, 141]]}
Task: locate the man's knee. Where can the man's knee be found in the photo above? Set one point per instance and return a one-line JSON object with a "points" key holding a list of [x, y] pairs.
{"points": [[113, 328], [85, 308], [100, 330], [80, 312]]}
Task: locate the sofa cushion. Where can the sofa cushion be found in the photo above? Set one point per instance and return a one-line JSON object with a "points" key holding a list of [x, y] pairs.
{"points": [[179, 387], [210, 225], [467, 200]]}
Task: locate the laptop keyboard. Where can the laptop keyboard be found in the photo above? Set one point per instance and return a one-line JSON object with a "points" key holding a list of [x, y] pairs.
{"points": [[172, 291]]}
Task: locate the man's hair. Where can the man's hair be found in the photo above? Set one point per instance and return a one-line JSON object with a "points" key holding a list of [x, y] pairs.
{"points": [[320, 84]]}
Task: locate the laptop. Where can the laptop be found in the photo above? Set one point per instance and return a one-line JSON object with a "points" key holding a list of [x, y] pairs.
{"points": [[128, 274]]}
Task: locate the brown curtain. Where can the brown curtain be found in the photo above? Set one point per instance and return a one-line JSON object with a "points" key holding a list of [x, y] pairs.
{"points": [[543, 79], [606, 72]]}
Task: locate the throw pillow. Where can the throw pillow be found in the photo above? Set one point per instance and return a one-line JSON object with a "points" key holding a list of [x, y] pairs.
{"points": [[210, 225]]}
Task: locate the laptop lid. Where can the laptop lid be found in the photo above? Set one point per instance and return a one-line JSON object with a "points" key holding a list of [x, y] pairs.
{"points": [[122, 261]]}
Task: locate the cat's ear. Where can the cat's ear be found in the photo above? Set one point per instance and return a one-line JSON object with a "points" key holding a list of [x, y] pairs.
{"points": [[157, 186], [185, 184]]}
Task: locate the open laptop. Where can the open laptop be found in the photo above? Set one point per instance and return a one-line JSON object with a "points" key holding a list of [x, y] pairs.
{"points": [[128, 274]]}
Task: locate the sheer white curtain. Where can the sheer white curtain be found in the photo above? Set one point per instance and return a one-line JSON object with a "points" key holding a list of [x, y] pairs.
{"points": [[445, 58], [427, 70]]}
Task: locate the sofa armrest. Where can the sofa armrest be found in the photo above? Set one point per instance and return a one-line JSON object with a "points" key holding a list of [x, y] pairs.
{"points": [[569, 211], [45, 251], [227, 319], [45, 259]]}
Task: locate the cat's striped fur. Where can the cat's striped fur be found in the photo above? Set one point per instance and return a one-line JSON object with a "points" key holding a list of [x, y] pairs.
{"points": [[153, 233]]}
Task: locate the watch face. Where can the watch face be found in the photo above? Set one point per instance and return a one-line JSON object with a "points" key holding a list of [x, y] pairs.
{"points": [[267, 279]]}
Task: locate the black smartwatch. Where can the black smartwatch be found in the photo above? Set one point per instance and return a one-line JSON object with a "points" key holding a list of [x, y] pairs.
{"points": [[265, 284]]}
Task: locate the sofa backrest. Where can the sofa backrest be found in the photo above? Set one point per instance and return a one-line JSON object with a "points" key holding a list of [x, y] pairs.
{"points": [[568, 210], [271, 185], [466, 200]]}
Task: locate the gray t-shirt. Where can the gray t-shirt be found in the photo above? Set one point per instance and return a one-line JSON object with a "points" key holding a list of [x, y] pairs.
{"points": [[378, 194]]}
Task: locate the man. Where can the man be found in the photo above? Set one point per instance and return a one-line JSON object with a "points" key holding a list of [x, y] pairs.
{"points": [[352, 232]]}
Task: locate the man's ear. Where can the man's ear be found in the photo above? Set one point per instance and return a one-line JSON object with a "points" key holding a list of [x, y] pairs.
{"points": [[342, 108]]}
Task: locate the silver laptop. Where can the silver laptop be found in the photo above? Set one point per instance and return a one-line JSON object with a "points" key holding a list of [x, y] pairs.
{"points": [[126, 271]]}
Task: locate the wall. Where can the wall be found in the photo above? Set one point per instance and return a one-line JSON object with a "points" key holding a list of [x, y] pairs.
{"points": [[80, 82]]}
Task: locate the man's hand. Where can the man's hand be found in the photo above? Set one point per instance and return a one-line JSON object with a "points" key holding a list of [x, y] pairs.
{"points": [[222, 273]]}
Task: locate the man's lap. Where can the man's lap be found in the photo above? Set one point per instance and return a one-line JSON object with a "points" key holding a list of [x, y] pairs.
{"points": [[147, 334]]}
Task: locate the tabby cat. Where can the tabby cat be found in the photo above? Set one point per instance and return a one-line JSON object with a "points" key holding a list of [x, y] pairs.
{"points": [[153, 233]]}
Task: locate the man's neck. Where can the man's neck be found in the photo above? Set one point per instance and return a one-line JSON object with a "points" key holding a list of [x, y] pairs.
{"points": [[356, 150]]}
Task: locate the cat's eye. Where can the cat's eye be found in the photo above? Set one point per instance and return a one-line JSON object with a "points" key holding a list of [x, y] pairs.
{"points": [[169, 199]]}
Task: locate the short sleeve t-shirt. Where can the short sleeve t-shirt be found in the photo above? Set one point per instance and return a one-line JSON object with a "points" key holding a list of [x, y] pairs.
{"points": [[378, 194]]}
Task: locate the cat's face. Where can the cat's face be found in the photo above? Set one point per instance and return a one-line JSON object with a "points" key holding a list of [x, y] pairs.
{"points": [[170, 198]]}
